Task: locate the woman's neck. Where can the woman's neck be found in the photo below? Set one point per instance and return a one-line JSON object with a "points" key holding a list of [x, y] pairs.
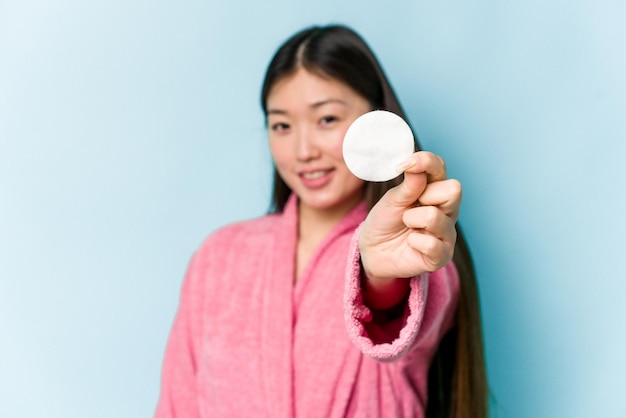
{"points": [[313, 226]]}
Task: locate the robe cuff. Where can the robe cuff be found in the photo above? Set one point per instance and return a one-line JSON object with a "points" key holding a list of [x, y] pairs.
{"points": [[359, 319]]}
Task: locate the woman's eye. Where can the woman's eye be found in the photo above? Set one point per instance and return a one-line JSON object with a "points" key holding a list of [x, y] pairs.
{"points": [[279, 127], [326, 120]]}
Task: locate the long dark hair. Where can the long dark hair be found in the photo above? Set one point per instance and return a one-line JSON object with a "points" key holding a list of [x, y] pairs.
{"points": [[457, 381]]}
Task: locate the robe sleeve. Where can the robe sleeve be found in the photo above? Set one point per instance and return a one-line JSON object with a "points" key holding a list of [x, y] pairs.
{"points": [[178, 397], [419, 322]]}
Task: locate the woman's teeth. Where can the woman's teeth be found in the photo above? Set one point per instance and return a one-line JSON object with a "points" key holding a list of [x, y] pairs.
{"points": [[314, 175]]}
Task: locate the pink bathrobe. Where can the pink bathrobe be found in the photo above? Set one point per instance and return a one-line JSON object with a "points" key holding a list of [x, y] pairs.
{"points": [[247, 342]]}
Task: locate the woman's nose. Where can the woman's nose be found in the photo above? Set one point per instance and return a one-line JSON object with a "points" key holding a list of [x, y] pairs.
{"points": [[306, 148]]}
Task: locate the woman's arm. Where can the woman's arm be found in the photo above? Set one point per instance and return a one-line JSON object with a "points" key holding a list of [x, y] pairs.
{"points": [[402, 287], [409, 231], [178, 397]]}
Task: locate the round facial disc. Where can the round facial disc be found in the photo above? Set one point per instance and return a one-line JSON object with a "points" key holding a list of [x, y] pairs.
{"points": [[375, 144]]}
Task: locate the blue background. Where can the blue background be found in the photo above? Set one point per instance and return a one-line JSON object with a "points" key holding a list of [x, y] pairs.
{"points": [[131, 129]]}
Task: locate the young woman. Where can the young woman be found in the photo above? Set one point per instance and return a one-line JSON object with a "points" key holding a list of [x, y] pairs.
{"points": [[346, 300]]}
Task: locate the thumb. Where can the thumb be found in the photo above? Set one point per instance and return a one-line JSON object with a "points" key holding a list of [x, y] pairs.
{"points": [[409, 191]]}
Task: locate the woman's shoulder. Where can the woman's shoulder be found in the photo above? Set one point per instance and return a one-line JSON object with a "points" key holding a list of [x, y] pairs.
{"points": [[231, 252]]}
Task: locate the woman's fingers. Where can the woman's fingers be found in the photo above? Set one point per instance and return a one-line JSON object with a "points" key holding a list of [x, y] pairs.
{"points": [[445, 194], [421, 169], [407, 193], [435, 252], [431, 220], [429, 163], [432, 234], [426, 182]]}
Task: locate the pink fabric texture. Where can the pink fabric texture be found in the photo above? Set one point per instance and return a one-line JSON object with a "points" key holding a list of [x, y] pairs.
{"points": [[247, 342]]}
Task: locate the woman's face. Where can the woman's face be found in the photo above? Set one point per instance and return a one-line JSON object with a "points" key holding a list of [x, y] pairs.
{"points": [[307, 119]]}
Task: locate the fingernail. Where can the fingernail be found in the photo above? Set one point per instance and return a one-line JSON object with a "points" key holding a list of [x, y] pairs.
{"points": [[406, 164]]}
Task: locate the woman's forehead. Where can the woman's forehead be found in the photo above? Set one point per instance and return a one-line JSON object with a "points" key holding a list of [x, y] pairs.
{"points": [[307, 89]]}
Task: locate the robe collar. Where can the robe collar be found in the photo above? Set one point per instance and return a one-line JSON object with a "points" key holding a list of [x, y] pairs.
{"points": [[350, 221], [278, 307]]}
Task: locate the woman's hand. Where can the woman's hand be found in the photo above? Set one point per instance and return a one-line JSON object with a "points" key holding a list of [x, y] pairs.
{"points": [[411, 229]]}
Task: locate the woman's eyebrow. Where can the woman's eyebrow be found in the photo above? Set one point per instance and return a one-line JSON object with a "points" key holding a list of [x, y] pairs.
{"points": [[314, 105], [276, 112], [328, 101]]}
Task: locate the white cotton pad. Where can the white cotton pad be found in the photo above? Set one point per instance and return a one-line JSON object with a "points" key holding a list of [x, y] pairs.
{"points": [[375, 144]]}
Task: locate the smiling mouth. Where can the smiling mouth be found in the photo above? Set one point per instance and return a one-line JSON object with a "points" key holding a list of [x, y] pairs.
{"points": [[315, 174]]}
